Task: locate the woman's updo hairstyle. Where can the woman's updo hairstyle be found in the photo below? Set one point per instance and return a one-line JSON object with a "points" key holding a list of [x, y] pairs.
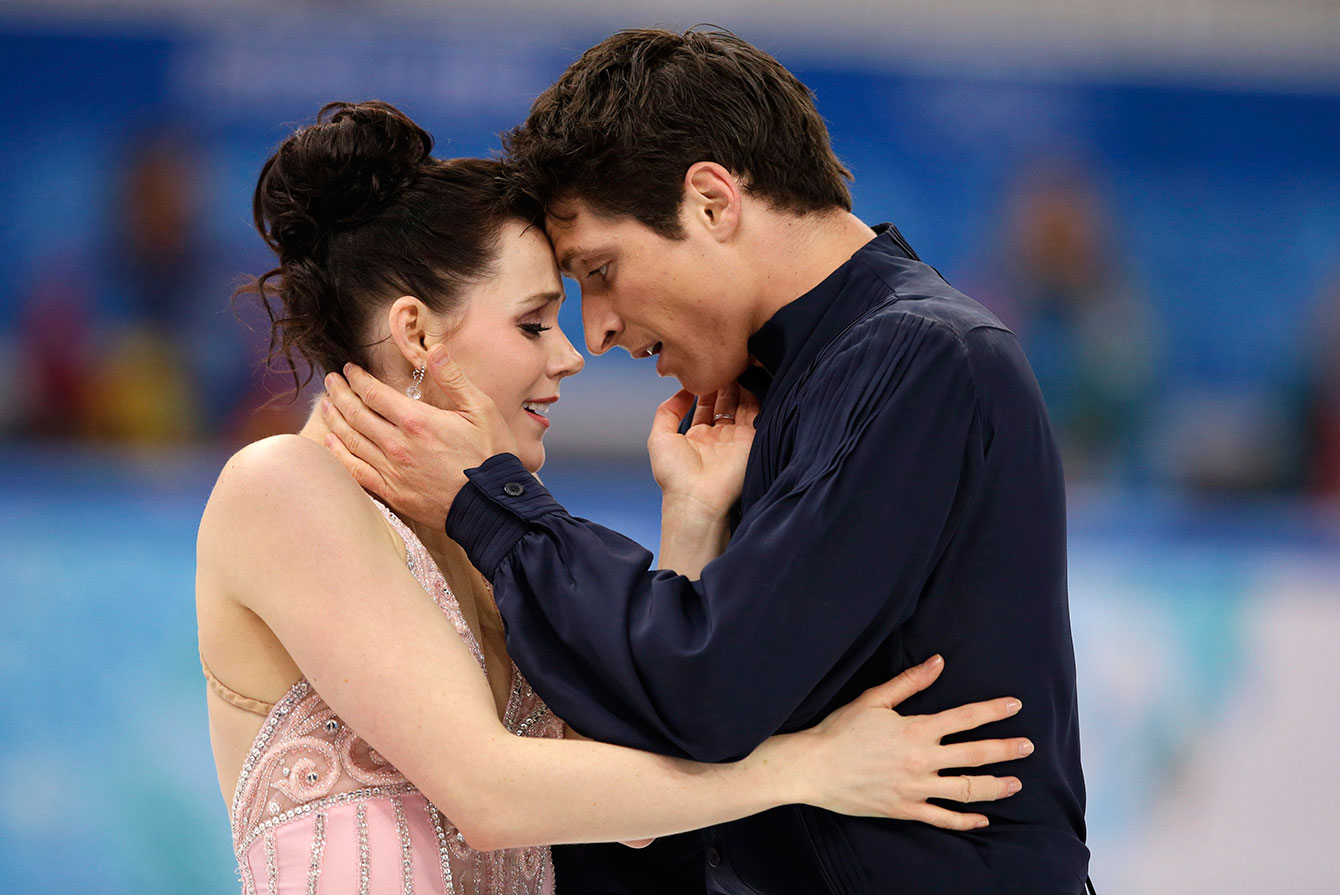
{"points": [[360, 214]]}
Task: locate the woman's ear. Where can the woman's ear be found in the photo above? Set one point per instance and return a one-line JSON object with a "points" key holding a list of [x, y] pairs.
{"points": [[408, 319]]}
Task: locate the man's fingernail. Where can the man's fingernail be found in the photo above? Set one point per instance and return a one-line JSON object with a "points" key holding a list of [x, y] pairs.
{"points": [[981, 823], [1013, 706], [935, 661], [1025, 748], [1013, 786]]}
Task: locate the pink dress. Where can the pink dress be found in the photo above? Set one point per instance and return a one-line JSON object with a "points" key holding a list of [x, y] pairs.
{"points": [[318, 811]]}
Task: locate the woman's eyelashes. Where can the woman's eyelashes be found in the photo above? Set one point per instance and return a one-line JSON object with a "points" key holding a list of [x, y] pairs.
{"points": [[534, 328]]}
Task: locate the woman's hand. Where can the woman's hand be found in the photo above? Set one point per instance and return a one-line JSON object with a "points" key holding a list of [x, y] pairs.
{"points": [[703, 468], [867, 760], [700, 473]]}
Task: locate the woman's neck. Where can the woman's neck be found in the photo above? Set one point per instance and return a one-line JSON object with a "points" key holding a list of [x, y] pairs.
{"points": [[464, 580]]}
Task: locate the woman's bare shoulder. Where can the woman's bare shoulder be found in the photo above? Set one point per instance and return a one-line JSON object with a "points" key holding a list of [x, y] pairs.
{"points": [[283, 492]]}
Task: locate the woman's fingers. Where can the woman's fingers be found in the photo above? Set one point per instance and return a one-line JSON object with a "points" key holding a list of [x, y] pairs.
{"points": [[909, 681], [702, 414], [976, 754], [966, 789], [671, 412], [975, 714], [747, 411], [948, 820], [727, 404]]}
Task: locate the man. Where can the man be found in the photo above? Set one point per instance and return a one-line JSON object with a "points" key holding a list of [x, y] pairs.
{"points": [[903, 496]]}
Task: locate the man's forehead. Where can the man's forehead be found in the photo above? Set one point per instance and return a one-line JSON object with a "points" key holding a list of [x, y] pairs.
{"points": [[569, 225]]}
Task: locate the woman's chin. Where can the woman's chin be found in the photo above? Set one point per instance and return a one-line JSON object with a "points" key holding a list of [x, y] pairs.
{"points": [[532, 456]]}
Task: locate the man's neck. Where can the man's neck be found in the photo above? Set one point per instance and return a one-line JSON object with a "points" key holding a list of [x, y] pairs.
{"points": [[799, 252]]}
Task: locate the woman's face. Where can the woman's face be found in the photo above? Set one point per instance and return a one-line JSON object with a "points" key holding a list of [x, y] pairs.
{"points": [[508, 342]]}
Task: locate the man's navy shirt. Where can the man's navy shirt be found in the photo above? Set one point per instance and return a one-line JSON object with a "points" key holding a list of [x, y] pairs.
{"points": [[903, 498]]}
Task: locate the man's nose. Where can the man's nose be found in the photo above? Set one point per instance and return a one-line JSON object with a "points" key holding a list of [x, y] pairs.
{"points": [[600, 325]]}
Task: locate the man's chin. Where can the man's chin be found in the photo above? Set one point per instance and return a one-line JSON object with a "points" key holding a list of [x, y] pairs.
{"points": [[702, 385]]}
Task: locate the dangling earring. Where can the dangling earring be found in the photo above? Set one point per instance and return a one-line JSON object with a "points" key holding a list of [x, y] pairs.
{"points": [[413, 389]]}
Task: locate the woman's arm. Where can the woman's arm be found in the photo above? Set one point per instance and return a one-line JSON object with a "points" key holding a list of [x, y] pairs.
{"points": [[297, 542], [700, 473]]}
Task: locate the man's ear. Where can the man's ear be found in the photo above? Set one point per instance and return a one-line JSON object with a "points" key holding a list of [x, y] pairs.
{"points": [[408, 319], [712, 200]]}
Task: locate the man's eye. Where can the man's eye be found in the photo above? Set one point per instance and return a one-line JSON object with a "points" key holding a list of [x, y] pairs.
{"points": [[602, 270]]}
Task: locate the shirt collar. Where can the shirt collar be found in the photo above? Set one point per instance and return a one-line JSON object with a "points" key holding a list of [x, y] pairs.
{"points": [[803, 326]]}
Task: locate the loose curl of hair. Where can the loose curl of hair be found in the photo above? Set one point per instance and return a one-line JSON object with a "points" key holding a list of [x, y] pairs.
{"points": [[359, 213]]}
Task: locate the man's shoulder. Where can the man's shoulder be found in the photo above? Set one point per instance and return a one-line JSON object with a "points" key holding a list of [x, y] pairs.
{"points": [[917, 292], [927, 324], [930, 317]]}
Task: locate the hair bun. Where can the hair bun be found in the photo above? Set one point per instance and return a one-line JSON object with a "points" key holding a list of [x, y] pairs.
{"points": [[337, 174]]}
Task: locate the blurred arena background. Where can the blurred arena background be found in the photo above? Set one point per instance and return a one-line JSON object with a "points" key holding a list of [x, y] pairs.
{"points": [[1148, 192]]}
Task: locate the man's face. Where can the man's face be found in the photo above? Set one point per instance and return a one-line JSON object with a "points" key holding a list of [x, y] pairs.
{"points": [[681, 302]]}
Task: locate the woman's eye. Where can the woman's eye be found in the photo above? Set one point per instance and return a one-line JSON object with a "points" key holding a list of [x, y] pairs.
{"points": [[534, 329]]}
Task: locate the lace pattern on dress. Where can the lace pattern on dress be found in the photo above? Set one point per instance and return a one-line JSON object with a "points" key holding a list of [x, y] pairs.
{"points": [[305, 761]]}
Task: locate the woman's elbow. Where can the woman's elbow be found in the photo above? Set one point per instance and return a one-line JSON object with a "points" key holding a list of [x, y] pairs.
{"points": [[480, 836], [487, 824]]}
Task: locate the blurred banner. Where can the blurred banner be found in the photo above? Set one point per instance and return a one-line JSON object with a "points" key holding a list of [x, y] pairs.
{"points": [[1147, 193]]}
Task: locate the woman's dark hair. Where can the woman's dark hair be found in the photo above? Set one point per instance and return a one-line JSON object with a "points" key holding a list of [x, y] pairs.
{"points": [[623, 124], [360, 213]]}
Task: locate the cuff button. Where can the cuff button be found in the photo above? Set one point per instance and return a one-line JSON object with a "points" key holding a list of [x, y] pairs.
{"points": [[514, 489]]}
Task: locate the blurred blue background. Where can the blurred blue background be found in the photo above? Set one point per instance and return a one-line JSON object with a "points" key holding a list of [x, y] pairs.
{"points": [[1149, 196]]}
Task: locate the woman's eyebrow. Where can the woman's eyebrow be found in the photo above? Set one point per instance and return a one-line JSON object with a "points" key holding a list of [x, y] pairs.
{"points": [[540, 299]]}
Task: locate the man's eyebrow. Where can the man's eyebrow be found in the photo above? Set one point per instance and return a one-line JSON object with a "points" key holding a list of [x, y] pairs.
{"points": [[565, 262]]}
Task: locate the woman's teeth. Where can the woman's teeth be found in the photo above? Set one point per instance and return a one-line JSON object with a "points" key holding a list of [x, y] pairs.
{"points": [[541, 409]]}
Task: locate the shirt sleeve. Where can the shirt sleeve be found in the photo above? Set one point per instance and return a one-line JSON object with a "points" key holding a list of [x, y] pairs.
{"points": [[822, 567]]}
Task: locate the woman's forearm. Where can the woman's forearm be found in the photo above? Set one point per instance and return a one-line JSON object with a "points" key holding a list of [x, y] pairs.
{"points": [[561, 791], [692, 535]]}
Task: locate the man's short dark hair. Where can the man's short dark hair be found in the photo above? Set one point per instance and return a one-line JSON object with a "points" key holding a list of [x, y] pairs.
{"points": [[625, 122]]}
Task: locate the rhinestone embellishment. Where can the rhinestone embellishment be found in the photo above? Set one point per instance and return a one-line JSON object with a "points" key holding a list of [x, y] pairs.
{"points": [[332, 726], [318, 849]]}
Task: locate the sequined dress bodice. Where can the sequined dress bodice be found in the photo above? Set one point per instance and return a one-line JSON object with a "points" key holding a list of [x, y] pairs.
{"points": [[318, 810]]}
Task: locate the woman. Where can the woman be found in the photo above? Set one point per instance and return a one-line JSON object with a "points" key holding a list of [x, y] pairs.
{"points": [[314, 622]]}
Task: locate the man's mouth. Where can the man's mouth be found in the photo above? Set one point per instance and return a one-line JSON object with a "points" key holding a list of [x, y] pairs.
{"points": [[649, 351]]}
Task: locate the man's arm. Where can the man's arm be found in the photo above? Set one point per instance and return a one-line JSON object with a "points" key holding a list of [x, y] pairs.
{"points": [[821, 569]]}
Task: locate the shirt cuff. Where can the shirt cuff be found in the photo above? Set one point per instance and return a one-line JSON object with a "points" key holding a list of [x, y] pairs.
{"points": [[494, 510]]}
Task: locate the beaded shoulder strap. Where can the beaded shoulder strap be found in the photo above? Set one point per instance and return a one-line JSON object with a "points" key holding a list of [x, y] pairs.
{"points": [[424, 568]]}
